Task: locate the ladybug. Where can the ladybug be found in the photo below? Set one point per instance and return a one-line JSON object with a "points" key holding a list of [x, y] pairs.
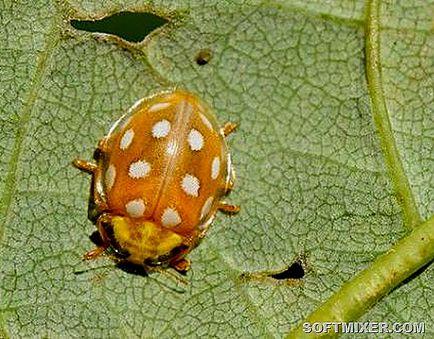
{"points": [[158, 181]]}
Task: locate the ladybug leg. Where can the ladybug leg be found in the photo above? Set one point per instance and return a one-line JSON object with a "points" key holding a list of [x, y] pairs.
{"points": [[87, 166], [228, 208], [182, 265], [95, 253], [228, 128], [84, 166], [178, 262], [96, 203]]}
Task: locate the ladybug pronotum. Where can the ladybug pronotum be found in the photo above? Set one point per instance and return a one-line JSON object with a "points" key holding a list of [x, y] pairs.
{"points": [[158, 181]]}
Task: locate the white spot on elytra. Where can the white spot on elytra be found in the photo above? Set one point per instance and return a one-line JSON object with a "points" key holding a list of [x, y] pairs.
{"points": [[126, 139], [190, 185], [206, 207], [206, 121], [158, 107], [139, 169], [215, 168], [161, 129], [110, 176], [135, 208], [195, 139], [170, 217]]}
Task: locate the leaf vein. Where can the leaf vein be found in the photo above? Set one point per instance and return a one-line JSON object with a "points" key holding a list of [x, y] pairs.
{"points": [[381, 117]]}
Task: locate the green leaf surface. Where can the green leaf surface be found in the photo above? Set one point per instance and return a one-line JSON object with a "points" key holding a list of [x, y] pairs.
{"points": [[334, 157]]}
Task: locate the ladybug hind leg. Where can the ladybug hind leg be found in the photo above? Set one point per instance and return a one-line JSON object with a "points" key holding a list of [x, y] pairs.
{"points": [[228, 208]]}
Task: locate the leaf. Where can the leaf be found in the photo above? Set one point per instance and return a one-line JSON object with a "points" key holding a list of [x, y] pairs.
{"points": [[334, 160]]}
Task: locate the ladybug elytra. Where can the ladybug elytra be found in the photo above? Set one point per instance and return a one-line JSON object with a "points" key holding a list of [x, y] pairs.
{"points": [[158, 181]]}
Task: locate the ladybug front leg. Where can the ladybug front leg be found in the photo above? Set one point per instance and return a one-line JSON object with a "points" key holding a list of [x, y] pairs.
{"points": [[95, 253], [182, 265], [179, 263], [97, 204], [87, 166]]}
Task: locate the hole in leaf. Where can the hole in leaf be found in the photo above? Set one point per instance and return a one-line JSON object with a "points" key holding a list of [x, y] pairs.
{"points": [[203, 57], [130, 26], [295, 271]]}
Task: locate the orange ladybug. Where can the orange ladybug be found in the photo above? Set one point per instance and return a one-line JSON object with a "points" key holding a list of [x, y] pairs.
{"points": [[158, 181]]}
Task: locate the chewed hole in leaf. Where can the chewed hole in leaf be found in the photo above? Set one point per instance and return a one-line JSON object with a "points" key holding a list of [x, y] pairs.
{"points": [[294, 271], [130, 26], [291, 276]]}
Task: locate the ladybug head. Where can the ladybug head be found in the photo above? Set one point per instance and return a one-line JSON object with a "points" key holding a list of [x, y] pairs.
{"points": [[140, 242]]}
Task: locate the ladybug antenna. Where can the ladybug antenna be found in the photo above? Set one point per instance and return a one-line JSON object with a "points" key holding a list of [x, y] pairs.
{"points": [[88, 270], [167, 273], [179, 290], [172, 275]]}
